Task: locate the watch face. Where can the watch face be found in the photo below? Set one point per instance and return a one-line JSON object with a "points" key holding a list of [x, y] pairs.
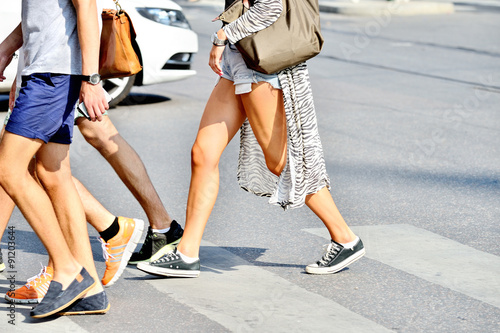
{"points": [[95, 78]]}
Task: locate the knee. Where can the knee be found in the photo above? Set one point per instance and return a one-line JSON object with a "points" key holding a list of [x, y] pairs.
{"points": [[50, 180], [9, 177], [5, 176], [275, 164], [202, 158], [98, 138]]}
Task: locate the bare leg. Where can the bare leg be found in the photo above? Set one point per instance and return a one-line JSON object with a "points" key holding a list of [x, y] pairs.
{"points": [[6, 203], [322, 204], [6, 208], [221, 120], [105, 138], [95, 213], [16, 153], [54, 172], [266, 114]]}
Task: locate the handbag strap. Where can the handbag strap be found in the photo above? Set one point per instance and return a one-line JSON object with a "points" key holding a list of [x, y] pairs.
{"points": [[118, 7]]}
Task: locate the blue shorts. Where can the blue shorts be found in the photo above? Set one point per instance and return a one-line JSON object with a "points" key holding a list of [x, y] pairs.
{"points": [[45, 107], [234, 69]]}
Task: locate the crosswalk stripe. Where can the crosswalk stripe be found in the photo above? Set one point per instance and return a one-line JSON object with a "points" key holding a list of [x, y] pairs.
{"points": [[245, 298], [431, 257]]}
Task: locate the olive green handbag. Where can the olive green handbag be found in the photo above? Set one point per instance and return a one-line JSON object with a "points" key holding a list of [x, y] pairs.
{"points": [[294, 38]]}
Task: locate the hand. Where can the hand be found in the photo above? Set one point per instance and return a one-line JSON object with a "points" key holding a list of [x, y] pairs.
{"points": [[215, 58], [4, 62], [95, 101]]}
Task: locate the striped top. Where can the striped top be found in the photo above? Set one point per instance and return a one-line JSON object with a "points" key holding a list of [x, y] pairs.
{"points": [[305, 171]]}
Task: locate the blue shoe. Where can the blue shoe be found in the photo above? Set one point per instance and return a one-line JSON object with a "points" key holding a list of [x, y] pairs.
{"points": [[95, 304], [57, 299]]}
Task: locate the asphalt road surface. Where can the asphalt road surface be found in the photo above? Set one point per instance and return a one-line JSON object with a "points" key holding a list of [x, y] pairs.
{"points": [[408, 112]]}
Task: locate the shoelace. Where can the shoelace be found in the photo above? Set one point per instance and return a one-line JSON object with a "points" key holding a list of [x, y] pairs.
{"points": [[33, 280], [167, 257], [105, 252], [331, 251]]}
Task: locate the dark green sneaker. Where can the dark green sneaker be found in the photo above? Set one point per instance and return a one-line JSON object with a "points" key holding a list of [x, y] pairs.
{"points": [[336, 258], [172, 265], [2, 265], [157, 244]]}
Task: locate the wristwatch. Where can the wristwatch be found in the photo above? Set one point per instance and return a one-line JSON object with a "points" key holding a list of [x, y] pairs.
{"points": [[92, 78], [218, 42]]}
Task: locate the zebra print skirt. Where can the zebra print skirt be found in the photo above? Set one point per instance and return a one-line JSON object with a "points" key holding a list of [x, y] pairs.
{"points": [[305, 171]]}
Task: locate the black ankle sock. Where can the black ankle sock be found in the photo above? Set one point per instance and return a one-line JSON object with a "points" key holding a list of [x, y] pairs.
{"points": [[111, 231]]}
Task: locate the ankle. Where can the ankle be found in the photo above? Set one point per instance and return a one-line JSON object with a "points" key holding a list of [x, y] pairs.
{"points": [[188, 252], [345, 237]]}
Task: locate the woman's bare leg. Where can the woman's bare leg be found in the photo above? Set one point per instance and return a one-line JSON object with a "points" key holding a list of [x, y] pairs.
{"points": [[265, 111], [266, 114], [221, 120], [322, 204]]}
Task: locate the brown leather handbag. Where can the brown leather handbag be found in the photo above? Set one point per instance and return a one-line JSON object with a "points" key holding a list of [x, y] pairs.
{"points": [[294, 38], [117, 57]]}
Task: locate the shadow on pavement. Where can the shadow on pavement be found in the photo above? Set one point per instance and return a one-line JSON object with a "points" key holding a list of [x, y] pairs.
{"points": [[143, 99]]}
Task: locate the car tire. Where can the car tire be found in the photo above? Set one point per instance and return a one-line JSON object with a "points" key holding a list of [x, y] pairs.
{"points": [[118, 88]]}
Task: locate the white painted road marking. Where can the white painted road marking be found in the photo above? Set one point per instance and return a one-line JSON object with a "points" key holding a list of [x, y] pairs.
{"points": [[432, 257], [245, 298]]}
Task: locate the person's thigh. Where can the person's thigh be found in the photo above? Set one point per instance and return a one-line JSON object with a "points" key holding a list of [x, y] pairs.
{"points": [[221, 119], [53, 159], [16, 152], [266, 114]]}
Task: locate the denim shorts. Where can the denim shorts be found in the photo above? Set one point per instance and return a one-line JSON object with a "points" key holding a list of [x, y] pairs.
{"points": [[234, 69], [45, 107]]}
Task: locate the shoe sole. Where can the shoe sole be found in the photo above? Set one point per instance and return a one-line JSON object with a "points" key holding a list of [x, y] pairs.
{"points": [[23, 301], [166, 249], [127, 253], [166, 271], [101, 311], [336, 268], [67, 304]]}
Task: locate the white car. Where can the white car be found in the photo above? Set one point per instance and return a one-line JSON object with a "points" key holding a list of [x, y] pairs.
{"points": [[166, 44]]}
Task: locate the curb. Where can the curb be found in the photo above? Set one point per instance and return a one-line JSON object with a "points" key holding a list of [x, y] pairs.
{"points": [[371, 8]]}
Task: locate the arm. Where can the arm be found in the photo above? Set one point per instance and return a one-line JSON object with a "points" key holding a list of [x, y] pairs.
{"points": [[7, 48], [88, 35], [261, 15]]}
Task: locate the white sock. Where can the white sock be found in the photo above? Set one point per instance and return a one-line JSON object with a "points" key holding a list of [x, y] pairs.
{"points": [[186, 259], [162, 231], [350, 245]]}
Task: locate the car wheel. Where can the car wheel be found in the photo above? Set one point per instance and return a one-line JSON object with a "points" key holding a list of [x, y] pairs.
{"points": [[118, 88]]}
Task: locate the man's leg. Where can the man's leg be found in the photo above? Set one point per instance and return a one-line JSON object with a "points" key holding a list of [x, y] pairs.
{"points": [[119, 235], [54, 172], [163, 233], [16, 153], [6, 209], [104, 137]]}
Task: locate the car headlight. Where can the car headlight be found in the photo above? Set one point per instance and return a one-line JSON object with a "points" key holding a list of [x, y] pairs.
{"points": [[170, 17]]}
